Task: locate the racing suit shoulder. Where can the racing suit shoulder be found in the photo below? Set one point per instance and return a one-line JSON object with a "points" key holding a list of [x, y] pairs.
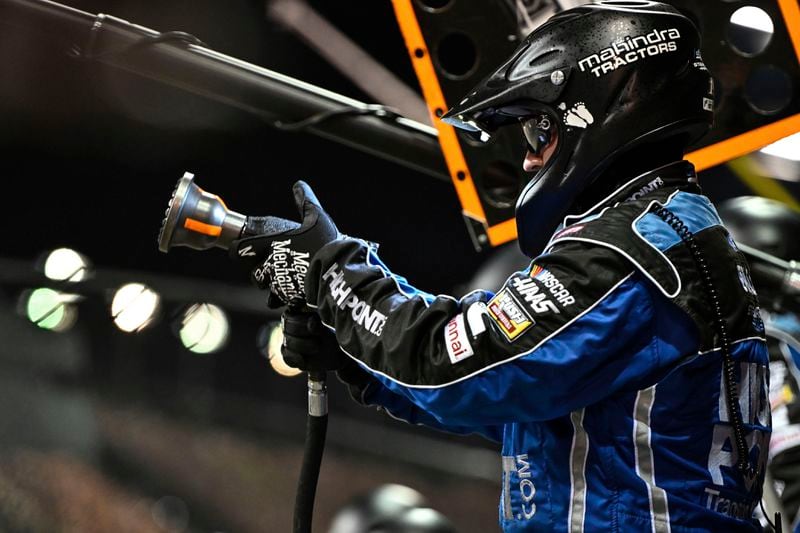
{"points": [[666, 250]]}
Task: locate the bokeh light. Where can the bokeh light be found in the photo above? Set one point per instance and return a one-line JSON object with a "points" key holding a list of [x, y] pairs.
{"points": [[204, 328], [65, 264], [275, 356], [50, 309], [134, 307]]}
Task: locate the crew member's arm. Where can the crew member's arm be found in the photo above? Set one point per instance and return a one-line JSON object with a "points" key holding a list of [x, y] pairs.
{"points": [[369, 391], [308, 346], [576, 327]]}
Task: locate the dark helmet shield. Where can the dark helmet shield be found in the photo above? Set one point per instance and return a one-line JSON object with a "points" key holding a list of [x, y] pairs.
{"points": [[612, 75]]}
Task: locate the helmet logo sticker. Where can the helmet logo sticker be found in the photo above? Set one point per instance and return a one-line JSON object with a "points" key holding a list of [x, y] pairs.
{"points": [[578, 116], [630, 50], [698, 61]]}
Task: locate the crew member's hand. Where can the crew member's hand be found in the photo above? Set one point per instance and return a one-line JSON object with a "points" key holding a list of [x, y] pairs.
{"points": [[280, 260], [308, 345]]}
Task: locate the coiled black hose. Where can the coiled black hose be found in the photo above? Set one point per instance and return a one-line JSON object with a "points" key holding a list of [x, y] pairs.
{"points": [[728, 367]]}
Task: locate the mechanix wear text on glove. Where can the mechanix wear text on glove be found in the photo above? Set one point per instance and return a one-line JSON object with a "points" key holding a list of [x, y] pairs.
{"points": [[280, 261]]}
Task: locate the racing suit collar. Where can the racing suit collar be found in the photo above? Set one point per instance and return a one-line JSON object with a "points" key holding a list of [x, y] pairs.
{"points": [[677, 174], [620, 233]]}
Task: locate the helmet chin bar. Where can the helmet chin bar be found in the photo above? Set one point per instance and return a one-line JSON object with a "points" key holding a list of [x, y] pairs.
{"points": [[542, 204]]}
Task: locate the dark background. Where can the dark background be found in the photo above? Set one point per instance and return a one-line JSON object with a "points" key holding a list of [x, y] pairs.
{"points": [[135, 432], [106, 431]]}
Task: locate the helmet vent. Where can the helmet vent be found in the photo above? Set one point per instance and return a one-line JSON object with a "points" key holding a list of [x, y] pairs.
{"points": [[541, 59], [626, 3], [543, 63]]}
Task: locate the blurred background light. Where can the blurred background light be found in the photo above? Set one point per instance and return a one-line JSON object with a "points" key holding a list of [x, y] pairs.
{"points": [[272, 347], [750, 31], [134, 307], [753, 17], [65, 264], [204, 328], [50, 309], [390, 507], [787, 148]]}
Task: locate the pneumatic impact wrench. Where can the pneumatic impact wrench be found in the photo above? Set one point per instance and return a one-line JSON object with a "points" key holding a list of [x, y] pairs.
{"points": [[200, 220]]}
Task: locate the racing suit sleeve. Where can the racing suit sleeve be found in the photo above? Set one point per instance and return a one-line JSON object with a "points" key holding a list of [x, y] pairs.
{"points": [[368, 391], [573, 328]]}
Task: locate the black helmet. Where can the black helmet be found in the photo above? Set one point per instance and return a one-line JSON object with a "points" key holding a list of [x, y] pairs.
{"points": [[609, 76], [772, 229]]}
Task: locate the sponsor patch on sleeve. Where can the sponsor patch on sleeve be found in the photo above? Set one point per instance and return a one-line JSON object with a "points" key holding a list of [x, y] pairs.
{"points": [[457, 340], [509, 314]]}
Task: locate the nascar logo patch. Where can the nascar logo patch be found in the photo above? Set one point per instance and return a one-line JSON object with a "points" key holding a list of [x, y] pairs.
{"points": [[509, 314], [536, 271]]}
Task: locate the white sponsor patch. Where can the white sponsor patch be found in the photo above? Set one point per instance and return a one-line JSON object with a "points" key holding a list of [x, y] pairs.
{"points": [[708, 104], [457, 340]]}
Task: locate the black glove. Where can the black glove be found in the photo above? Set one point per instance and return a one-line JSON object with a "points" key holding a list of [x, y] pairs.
{"points": [[280, 260], [310, 346]]}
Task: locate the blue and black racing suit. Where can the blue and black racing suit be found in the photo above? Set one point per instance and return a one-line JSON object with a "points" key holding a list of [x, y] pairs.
{"points": [[597, 367]]}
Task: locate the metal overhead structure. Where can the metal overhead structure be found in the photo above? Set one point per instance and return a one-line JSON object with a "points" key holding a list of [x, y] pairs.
{"points": [[183, 61], [347, 57]]}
